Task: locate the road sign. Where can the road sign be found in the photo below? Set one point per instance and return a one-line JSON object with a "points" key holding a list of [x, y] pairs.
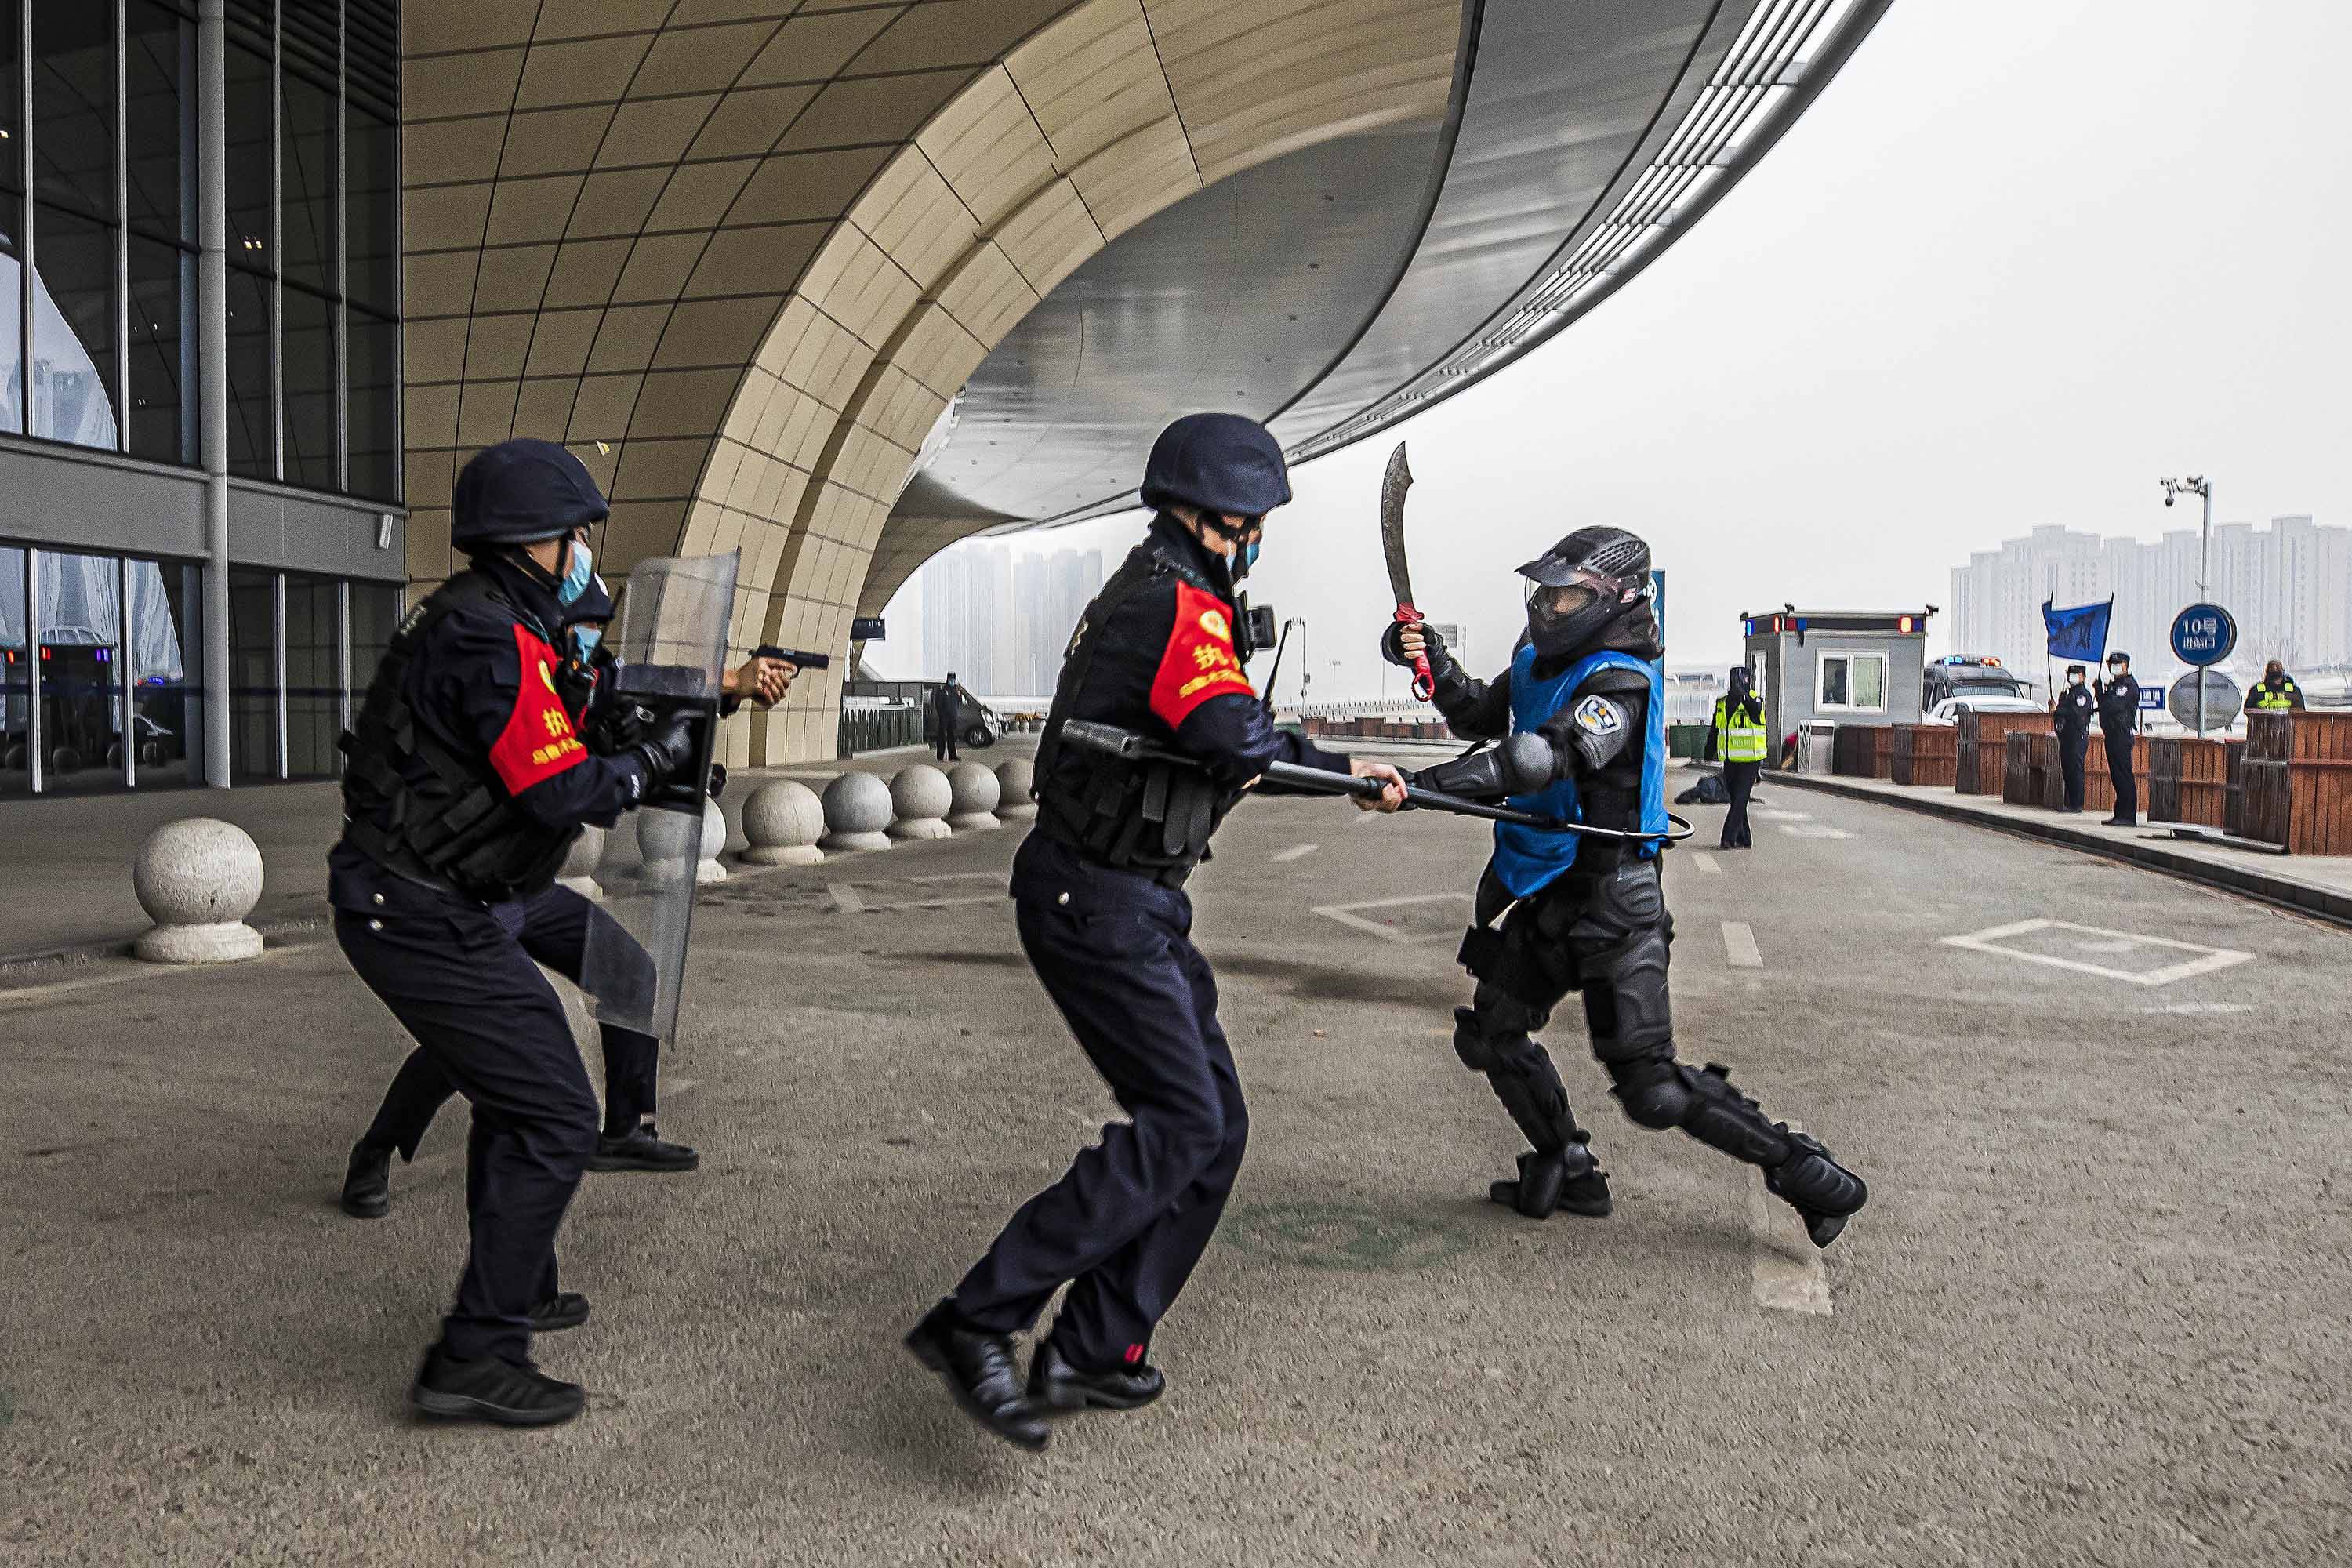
{"points": [[2203, 635], [2222, 698]]}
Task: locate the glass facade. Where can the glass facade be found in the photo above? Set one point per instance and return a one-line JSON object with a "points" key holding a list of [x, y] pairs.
{"points": [[99, 226]]}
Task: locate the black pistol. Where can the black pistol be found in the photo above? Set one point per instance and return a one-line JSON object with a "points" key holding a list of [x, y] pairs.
{"points": [[793, 656]]}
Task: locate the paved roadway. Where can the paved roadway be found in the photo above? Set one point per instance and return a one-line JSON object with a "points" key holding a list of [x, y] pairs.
{"points": [[2095, 1314]]}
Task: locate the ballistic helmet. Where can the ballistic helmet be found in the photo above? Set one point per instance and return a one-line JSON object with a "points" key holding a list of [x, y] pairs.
{"points": [[1591, 590], [519, 492], [1222, 463]]}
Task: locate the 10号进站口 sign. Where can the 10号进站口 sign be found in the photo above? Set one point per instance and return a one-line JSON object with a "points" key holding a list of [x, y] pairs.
{"points": [[2203, 635]]}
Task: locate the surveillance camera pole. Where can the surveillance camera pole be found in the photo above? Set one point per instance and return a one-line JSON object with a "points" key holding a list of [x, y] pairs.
{"points": [[2201, 487]]}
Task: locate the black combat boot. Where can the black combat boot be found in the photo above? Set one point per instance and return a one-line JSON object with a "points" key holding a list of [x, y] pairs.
{"points": [[978, 1368], [1057, 1387], [1567, 1178], [564, 1310], [641, 1148], [367, 1184], [1824, 1193], [488, 1389]]}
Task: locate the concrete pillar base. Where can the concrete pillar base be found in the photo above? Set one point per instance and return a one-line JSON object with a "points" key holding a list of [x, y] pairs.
{"points": [[915, 827], [974, 822], [783, 854], [850, 843], [221, 942]]}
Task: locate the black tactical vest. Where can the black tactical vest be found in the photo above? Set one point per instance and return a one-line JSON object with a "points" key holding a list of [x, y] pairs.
{"points": [[453, 824], [1154, 817]]}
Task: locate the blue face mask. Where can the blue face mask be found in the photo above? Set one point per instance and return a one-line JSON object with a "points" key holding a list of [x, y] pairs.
{"points": [[575, 579], [585, 641]]}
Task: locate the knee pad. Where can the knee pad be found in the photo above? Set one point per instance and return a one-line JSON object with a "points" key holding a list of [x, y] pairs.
{"points": [[1652, 1091], [1486, 1032]]}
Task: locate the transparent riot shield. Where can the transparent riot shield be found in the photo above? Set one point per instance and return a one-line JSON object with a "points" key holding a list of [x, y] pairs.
{"points": [[670, 648]]}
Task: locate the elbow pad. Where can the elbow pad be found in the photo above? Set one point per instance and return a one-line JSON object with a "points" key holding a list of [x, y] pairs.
{"points": [[1519, 764]]}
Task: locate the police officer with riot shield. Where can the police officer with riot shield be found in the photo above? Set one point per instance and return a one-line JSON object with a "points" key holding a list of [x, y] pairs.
{"points": [[1581, 722], [465, 782], [1098, 901]]}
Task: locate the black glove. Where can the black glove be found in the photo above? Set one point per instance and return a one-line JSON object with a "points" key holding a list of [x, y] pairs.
{"points": [[669, 746], [615, 725], [1393, 646]]}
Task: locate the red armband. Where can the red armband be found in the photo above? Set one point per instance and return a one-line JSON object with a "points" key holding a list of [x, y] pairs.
{"points": [[1198, 661], [538, 743]]}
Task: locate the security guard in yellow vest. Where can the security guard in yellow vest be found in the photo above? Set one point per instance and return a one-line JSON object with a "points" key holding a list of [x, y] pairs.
{"points": [[2276, 692], [1739, 737]]}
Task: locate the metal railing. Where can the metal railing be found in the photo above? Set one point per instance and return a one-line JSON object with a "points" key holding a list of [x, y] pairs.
{"points": [[879, 729]]}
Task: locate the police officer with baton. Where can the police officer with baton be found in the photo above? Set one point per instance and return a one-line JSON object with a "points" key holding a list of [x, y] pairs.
{"points": [[1099, 900]]}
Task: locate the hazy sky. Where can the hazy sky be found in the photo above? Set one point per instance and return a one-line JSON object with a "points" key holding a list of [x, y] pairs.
{"points": [[2023, 259]]}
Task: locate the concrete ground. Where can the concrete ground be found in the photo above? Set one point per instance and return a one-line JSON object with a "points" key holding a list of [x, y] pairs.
{"points": [[2094, 1315]]}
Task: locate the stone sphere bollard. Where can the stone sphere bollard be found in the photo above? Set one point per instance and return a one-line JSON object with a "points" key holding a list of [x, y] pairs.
{"points": [[920, 799], [856, 810], [579, 872], [714, 844], [783, 820], [671, 843], [1016, 786], [197, 879], [973, 790]]}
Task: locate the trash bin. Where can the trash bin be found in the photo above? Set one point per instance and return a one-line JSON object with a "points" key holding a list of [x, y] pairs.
{"points": [[1817, 747]]}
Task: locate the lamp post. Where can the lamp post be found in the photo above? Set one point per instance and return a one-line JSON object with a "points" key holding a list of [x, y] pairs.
{"points": [[1306, 665], [2198, 485]]}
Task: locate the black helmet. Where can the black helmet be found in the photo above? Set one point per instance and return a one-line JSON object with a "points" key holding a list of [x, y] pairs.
{"points": [[594, 604], [1591, 590], [521, 490], [1222, 463], [1741, 679]]}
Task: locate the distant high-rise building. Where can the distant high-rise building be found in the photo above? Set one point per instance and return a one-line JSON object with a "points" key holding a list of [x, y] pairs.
{"points": [[1001, 620], [2289, 587]]}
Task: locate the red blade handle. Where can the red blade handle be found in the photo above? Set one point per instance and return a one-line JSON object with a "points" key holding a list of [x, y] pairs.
{"points": [[1424, 685]]}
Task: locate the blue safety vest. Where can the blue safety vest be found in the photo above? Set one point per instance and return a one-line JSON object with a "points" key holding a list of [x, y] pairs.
{"points": [[1526, 858]]}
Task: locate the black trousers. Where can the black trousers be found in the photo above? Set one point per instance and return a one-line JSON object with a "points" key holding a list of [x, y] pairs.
{"points": [[943, 746], [2119, 768], [2072, 746], [464, 980], [1130, 1219], [1740, 780], [555, 933]]}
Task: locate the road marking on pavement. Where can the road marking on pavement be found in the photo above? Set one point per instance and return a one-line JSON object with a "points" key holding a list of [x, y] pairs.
{"points": [[2190, 1009], [1814, 830], [1295, 852], [1705, 863], [1347, 915], [1785, 1268], [1770, 815], [1740, 945], [1364, 816], [845, 897], [2208, 959], [848, 900]]}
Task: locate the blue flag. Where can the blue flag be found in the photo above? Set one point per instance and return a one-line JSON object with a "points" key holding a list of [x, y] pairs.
{"points": [[2080, 633]]}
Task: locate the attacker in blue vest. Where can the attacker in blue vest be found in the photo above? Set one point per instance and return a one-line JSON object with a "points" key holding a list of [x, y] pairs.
{"points": [[1580, 718]]}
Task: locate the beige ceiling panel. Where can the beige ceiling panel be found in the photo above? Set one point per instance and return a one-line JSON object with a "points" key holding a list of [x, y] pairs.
{"points": [[625, 342], [699, 59], [638, 530], [616, 201], [426, 534], [1049, 236], [434, 350], [813, 48], [544, 407], [659, 470], [445, 217], [700, 193], [967, 32], [704, 332], [753, 397], [748, 121], [986, 293], [477, 83], [794, 323], [554, 140], [745, 260], [571, 19], [739, 471], [430, 26], [654, 133], [912, 214], [1129, 180], [586, 270], [601, 465], [657, 268], [560, 340], [495, 346], [871, 466], [431, 476], [939, 353], [683, 403], [486, 412], [589, 70], [852, 281], [429, 417], [987, 146], [866, 110], [525, 210], [439, 285], [794, 187], [445, 151], [513, 279], [602, 409], [694, 13], [899, 408], [1089, 95]]}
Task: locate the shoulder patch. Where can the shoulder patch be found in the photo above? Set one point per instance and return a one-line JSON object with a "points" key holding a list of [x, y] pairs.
{"points": [[1198, 662], [1599, 716], [538, 741]]}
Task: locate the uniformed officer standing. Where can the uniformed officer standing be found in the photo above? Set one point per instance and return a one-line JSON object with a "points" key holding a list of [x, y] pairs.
{"points": [[631, 1140], [947, 714], [2071, 713], [1580, 715], [2118, 720], [464, 785], [1099, 900], [2276, 692], [1739, 737]]}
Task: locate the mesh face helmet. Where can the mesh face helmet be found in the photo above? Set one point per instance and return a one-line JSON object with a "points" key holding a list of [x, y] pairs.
{"points": [[1591, 589]]}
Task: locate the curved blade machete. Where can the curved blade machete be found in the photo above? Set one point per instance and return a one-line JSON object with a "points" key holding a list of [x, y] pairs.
{"points": [[1393, 485]]}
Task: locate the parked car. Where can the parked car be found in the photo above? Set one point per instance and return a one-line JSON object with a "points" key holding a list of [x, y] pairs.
{"points": [[1949, 709], [977, 725]]}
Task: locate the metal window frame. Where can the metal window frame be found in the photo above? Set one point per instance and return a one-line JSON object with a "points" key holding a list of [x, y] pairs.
{"points": [[122, 237], [35, 773], [126, 673], [24, 226], [344, 653], [277, 641], [278, 270], [342, 253]]}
